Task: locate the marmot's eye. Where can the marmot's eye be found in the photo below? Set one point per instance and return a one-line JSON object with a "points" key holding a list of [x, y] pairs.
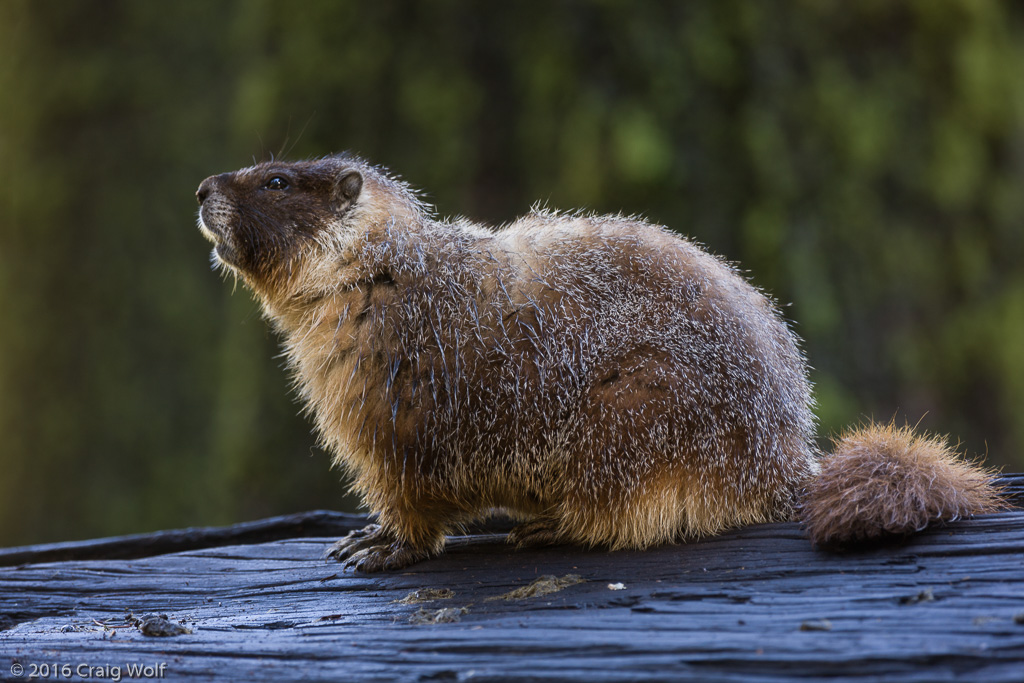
{"points": [[276, 183]]}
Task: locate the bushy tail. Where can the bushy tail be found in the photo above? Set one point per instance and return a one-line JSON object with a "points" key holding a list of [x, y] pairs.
{"points": [[883, 480]]}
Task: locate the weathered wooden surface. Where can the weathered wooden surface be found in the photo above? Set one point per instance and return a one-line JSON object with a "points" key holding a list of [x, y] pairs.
{"points": [[314, 523], [754, 605]]}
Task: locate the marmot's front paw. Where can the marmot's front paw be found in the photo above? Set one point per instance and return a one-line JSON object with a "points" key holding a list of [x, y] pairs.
{"points": [[367, 537], [389, 557]]}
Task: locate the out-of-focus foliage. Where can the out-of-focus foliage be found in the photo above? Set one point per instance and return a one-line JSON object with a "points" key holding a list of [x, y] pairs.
{"points": [[863, 161]]}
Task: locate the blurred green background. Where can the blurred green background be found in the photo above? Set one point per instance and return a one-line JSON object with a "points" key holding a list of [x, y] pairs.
{"points": [[864, 162]]}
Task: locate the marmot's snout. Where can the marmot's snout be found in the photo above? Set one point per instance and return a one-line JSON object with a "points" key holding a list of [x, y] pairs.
{"points": [[205, 188], [214, 219], [209, 186]]}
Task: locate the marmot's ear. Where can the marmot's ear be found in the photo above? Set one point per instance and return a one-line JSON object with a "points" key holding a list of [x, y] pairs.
{"points": [[347, 187]]}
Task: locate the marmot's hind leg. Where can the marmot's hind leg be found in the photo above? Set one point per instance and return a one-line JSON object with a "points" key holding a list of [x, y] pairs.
{"points": [[537, 532]]}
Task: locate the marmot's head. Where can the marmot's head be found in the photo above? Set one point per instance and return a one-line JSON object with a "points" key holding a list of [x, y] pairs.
{"points": [[267, 220]]}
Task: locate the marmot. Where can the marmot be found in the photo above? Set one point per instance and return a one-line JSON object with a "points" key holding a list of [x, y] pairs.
{"points": [[601, 379]]}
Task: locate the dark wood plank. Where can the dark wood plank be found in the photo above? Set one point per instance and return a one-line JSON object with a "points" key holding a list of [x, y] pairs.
{"points": [[754, 605], [314, 523]]}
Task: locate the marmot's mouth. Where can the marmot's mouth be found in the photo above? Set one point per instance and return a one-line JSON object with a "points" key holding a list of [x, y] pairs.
{"points": [[210, 232], [222, 249]]}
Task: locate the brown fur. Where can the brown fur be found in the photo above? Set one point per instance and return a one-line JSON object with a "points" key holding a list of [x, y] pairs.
{"points": [[598, 377], [886, 481]]}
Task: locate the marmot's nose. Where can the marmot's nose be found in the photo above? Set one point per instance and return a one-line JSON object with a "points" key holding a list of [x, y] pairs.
{"points": [[205, 188]]}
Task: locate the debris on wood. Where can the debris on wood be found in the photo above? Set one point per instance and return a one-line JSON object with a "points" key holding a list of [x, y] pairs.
{"points": [[445, 615], [545, 585], [616, 586], [924, 596], [816, 625], [426, 595], [158, 625]]}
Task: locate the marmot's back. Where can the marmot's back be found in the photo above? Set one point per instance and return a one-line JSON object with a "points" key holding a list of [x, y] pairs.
{"points": [[691, 413], [602, 379]]}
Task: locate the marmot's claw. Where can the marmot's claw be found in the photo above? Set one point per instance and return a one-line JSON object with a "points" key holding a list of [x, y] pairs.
{"points": [[355, 541], [368, 530], [389, 557]]}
